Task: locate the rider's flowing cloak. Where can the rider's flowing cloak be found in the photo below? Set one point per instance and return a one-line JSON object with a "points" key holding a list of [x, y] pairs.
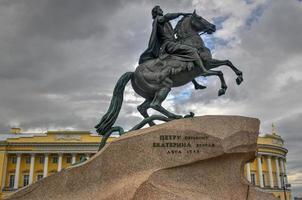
{"points": [[153, 47]]}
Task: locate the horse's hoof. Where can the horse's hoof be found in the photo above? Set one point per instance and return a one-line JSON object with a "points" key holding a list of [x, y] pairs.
{"points": [[189, 115], [239, 73], [239, 79], [221, 92]]}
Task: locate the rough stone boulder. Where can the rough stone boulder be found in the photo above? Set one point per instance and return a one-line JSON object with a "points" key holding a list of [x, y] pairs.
{"points": [[199, 158]]}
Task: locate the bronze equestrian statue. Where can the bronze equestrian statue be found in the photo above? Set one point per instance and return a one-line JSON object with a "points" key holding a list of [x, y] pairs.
{"points": [[168, 62]]}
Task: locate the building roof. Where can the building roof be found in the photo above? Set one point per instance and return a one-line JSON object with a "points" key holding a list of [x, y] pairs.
{"points": [[271, 144]]}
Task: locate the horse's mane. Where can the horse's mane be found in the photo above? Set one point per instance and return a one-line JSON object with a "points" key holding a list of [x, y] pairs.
{"points": [[179, 30]]}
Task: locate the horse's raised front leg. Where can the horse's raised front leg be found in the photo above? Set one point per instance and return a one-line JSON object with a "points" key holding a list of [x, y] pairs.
{"points": [[224, 87], [216, 63], [159, 97], [143, 110], [198, 86]]}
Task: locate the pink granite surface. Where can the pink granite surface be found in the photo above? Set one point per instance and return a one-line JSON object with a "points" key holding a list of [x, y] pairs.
{"points": [[200, 158]]}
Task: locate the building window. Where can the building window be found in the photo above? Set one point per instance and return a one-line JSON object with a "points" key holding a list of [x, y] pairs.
{"points": [[25, 180], [39, 177], [41, 159], [55, 159], [253, 179], [14, 159], [11, 181], [68, 159], [27, 160]]}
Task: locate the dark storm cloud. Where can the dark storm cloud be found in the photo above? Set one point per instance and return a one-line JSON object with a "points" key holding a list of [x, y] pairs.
{"points": [[35, 67], [60, 59], [66, 20]]}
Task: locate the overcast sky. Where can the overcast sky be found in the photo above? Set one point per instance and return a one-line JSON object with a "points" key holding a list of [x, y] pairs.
{"points": [[59, 62]]}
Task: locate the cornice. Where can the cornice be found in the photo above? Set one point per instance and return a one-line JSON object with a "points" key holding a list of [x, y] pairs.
{"points": [[272, 147]]}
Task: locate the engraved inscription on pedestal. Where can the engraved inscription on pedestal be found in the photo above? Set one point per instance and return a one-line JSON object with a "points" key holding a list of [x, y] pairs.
{"points": [[179, 144]]}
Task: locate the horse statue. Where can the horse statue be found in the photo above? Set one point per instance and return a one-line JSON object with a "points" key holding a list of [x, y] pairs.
{"points": [[154, 79], [187, 31]]}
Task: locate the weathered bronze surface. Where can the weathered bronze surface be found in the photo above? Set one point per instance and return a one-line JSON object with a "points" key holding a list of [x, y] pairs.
{"points": [[173, 58]]}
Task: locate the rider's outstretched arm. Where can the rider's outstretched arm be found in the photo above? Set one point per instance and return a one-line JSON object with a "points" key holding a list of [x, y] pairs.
{"points": [[171, 16]]}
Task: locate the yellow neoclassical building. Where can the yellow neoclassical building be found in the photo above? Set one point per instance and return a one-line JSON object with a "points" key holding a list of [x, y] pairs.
{"points": [[268, 170], [29, 157]]}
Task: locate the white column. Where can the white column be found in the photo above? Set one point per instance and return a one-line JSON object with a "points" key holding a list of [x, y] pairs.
{"points": [[45, 170], [73, 159], [282, 171], [285, 171], [278, 172], [248, 172], [270, 172], [17, 171], [87, 156], [31, 169], [260, 172], [60, 162], [4, 171]]}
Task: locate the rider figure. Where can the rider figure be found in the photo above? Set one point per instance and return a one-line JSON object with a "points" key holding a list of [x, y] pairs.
{"points": [[162, 40]]}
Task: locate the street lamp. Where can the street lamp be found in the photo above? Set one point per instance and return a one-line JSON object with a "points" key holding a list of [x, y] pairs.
{"points": [[284, 184]]}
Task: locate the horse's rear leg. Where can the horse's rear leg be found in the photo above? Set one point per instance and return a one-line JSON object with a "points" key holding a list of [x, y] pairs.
{"points": [[198, 86], [159, 97], [143, 110]]}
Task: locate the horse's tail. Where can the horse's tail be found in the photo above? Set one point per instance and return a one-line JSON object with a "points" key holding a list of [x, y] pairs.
{"points": [[110, 117]]}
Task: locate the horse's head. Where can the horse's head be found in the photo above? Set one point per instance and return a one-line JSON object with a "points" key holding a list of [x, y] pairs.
{"points": [[200, 24], [193, 24]]}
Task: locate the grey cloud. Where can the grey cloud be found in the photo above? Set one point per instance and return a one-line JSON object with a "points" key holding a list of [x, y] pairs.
{"points": [[58, 56], [66, 20]]}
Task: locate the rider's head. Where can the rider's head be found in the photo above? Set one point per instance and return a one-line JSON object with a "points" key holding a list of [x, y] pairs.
{"points": [[157, 11]]}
